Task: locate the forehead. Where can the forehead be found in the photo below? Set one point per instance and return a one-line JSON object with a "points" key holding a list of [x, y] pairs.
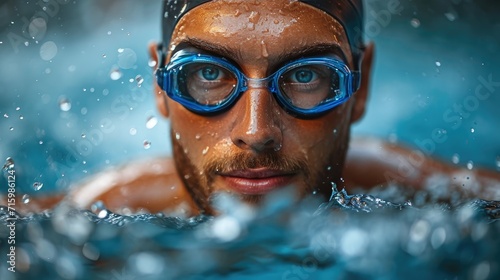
{"points": [[261, 29]]}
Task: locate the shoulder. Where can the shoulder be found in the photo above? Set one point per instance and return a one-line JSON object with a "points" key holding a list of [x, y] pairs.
{"points": [[144, 185], [373, 162]]}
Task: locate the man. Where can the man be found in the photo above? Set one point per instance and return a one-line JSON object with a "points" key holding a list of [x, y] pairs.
{"points": [[261, 96]]}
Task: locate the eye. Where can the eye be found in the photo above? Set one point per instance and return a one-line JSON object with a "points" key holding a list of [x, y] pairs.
{"points": [[303, 76], [210, 73]]}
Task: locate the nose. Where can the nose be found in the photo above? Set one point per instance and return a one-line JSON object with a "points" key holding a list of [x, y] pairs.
{"points": [[257, 127]]}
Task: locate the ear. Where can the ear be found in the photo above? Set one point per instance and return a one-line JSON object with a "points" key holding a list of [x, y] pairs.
{"points": [[361, 95], [160, 96]]}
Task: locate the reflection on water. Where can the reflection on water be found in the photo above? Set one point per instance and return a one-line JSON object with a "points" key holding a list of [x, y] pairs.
{"points": [[350, 237]]}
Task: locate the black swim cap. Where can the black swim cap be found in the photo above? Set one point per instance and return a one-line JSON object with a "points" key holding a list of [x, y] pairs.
{"points": [[348, 12]]}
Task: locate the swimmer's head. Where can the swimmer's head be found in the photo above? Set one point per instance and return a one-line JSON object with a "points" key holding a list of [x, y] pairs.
{"points": [[349, 13], [255, 144]]}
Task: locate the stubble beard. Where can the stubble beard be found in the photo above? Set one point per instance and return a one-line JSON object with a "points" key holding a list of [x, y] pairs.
{"points": [[199, 183]]}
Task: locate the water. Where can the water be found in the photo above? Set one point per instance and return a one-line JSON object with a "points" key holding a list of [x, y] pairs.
{"points": [[351, 237]]}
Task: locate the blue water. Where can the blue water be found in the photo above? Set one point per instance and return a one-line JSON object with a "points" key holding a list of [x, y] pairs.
{"points": [[92, 55], [350, 237]]}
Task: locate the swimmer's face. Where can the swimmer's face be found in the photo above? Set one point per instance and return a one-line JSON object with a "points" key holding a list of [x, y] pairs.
{"points": [[255, 146]]}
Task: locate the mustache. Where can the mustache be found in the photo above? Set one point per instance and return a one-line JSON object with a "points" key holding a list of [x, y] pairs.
{"points": [[242, 161]]}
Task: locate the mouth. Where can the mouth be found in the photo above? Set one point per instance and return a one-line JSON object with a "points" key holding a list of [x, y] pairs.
{"points": [[257, 181]]}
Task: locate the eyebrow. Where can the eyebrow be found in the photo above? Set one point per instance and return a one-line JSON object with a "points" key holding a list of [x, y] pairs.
{"points": [[292, 54]]}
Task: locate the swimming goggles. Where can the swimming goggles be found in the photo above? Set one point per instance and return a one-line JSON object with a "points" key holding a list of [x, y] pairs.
{"points": [[305, 87]]}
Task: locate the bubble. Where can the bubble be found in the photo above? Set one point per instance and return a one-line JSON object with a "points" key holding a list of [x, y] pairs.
{"points": [[438, 64], [83, 135], [470, 164], [205, 151], [26, 199], [472, 130], [133, 131], [40, 142], [151, 122], [120, 50], [11, 128], [126, 58], [48, 50], [197, 137], [146, 144], [84, 111], [498, 162], [177, 136], [18, 108], [415, 22], [21, 117], [37, 186], [103, 55], [115, 74], [72, 68], [64, 104], [9, 164], [6, 116], [455, 158]]}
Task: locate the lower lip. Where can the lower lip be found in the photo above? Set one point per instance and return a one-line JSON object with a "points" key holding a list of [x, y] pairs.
{"points": [[255, 186]]}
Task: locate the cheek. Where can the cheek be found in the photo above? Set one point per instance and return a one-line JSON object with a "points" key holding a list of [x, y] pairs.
{"points": [[199, 136]]}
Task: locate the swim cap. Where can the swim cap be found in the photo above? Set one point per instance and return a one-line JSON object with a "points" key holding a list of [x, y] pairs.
{"points": [[348, 12]]}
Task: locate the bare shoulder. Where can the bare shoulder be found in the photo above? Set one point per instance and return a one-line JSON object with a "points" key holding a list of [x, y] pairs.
{"points": [[373, 162], [149, 184]]}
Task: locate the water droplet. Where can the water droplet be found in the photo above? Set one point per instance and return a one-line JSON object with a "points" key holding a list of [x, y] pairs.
{"points": [[205, 151], [438, 63], [152, 63], [335, 131], [120, 50], [11, 128], [26, 199], [37, 186], [450, 16], [21, 117], [115, 74], [40, 142], [498, 162], [9, 164], [84, 111], [102, 214], [126, 58], [455, 158], [472, 130], [109, 32], [139, 79], [151, 122], [146, 144], [48, 50], [415, 22], [64, 104], [18, 108], [133, 131], [470, 165], [83, 135], [177, 136], [6, 116], [328, 168], [103, 55], [197, 137]]}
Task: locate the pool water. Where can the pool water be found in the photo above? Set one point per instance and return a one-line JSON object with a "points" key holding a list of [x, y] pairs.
{"points": [[364, 236]]}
